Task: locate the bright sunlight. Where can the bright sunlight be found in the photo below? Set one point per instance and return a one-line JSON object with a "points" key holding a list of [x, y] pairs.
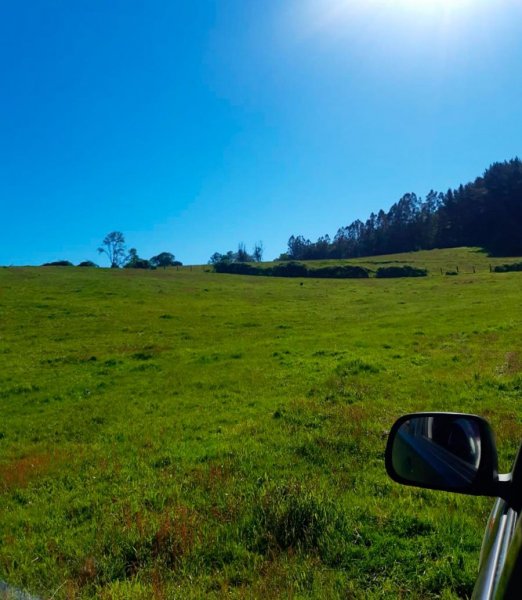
{"points": [[424, 4], [412, 6], [336, 15]]}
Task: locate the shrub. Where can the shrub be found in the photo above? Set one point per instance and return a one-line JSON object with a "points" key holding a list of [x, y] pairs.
{"points": [[405, 271], [290, 269], [236, 268], [58, 263], [139, 263], [87, 263], [507, 268], [341, 272]]}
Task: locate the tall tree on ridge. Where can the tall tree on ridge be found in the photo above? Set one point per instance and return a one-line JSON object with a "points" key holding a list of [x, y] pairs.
{"points": [[113, 246]]}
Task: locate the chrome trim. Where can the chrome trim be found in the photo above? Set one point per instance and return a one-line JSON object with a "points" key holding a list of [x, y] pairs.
{"points": [[502, 518]]}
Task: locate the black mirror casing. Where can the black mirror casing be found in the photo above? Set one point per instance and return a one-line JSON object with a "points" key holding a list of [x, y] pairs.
{"points": [[444, 451]]}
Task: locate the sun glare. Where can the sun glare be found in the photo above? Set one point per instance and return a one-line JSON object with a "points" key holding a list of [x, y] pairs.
{"points": [[409, 5], [335, 14], [420, 5], [427, 4]]}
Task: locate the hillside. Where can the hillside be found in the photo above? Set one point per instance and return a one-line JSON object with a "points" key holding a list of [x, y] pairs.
{"points": [[185, 433], [486, 212], [434, 263]]}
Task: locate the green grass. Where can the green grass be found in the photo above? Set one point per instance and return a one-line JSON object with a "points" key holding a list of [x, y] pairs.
{"points": [[438, 262], [184, 434]]}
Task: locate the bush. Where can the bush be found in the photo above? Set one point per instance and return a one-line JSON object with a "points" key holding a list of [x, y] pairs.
{"points": [[139, 263], [58, 263], [290, 269], [507, 268], [236, 268], [341, 272], [405, 271], [87, 263]]}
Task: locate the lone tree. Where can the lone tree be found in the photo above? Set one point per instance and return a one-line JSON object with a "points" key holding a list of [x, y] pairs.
{"points": [[164, 259], [113, 246]]}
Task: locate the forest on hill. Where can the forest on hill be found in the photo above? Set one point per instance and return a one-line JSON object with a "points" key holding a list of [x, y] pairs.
{"points": [[486, 213]]}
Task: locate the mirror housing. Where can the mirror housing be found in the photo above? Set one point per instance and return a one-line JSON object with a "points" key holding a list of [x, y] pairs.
{"points": [[445, 451]]}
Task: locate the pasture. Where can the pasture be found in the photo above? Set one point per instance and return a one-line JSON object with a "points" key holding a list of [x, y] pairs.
{"points": [[186, 434]]}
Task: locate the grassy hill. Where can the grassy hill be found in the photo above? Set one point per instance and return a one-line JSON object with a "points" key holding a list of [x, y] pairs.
{"points": [[189, 434], [466, 259]]}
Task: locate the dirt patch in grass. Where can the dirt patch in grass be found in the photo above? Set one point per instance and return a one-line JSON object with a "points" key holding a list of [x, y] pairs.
{"points": [[20, 472]]}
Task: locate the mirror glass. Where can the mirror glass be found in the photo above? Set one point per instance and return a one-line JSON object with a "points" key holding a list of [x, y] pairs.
{"points": [[441, 451]]}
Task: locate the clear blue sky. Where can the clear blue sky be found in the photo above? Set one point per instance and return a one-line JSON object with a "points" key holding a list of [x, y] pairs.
{"points": [[193, 125]]}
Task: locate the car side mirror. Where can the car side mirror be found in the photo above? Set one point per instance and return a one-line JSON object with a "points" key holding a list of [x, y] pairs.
{"points": [[444, 451]]}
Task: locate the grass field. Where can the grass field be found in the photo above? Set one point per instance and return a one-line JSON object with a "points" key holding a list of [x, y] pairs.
{"points": [[185, 434]]}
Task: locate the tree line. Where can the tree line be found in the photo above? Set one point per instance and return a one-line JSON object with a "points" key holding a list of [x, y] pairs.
{"points": [[486, 213], [240, 256]]}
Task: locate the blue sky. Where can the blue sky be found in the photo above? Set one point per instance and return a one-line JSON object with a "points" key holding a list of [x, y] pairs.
{"points": [[192, 126]]}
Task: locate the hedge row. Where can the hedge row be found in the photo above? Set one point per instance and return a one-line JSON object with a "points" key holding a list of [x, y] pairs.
{"points": [[296, 269], [293, 269], [506, 268], [405, 271]]}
